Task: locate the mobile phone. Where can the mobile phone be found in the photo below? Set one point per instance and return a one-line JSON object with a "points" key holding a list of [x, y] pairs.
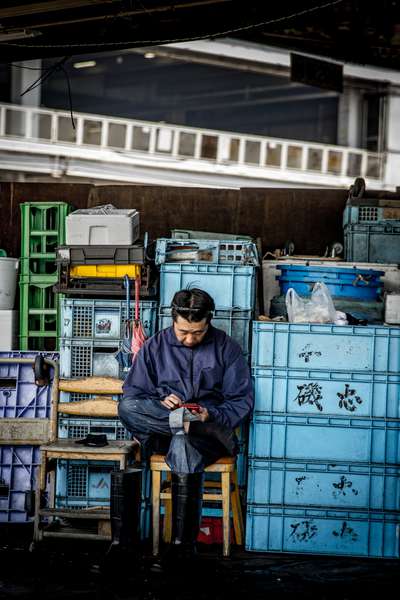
{"points": [[192, 406]]}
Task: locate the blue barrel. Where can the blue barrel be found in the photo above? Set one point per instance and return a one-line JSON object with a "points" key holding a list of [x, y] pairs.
{"points": [[363, 284]]}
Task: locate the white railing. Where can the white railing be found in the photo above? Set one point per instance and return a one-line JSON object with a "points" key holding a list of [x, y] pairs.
{"points": [[186, 143]]}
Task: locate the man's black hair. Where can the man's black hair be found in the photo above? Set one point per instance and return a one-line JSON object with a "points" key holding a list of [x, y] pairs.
{"points": [[193, 305]]}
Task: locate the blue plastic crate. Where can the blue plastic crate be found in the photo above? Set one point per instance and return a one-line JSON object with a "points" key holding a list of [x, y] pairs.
{"points": [[234, 252], [236, 323], [339, 533], [230, 286], [84, 358], [326, 347], [85, 484], [324, 485], [80, 358], [18, 473], [292, 391], [325, 439], [363, 284], [103, 319], [76, 428], [374, 243], [19, 396]]}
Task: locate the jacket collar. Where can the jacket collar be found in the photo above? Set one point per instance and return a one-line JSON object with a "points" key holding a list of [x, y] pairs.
{"points": [[173, 340]]}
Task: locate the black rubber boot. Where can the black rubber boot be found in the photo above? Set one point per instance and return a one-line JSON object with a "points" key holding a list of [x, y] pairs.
{"points": [[187, 499], [125, 501]]}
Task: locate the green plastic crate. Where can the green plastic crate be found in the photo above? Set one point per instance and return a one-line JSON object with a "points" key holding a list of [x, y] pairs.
{"points": [[42, 231], [39, 314]]}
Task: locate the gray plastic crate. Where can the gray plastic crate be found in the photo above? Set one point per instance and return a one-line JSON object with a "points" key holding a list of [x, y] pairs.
{"points": [[100, 255], [190, 234], [232, 252], [372, 242]]}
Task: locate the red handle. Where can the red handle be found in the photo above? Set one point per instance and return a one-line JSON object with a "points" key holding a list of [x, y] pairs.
{"points": [[137, 296]]}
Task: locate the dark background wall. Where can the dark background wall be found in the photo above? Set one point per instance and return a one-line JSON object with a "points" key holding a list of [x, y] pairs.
{"points": [[198, 95], [311, 218]]}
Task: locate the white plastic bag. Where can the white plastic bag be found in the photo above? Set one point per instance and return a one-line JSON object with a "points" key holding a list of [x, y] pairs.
{"points": [[318, 309]]}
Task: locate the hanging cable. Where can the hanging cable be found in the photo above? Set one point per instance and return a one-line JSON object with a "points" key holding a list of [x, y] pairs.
{"points": [[54, 68]]}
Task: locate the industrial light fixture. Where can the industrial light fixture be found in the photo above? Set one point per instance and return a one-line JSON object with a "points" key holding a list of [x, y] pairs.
{"points": [[149, 55], [17, 34], [85, 64]]}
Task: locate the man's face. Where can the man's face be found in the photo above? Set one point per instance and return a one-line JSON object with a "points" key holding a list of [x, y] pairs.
{"points": [[190, 334]]}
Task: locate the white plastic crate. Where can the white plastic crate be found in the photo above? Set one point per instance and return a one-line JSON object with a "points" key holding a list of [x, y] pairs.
{"points": [[102, 225], [271, 272], [392, 309]]}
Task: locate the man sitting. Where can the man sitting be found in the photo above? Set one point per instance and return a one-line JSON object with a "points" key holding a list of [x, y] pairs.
{"points": [[190, 362]]}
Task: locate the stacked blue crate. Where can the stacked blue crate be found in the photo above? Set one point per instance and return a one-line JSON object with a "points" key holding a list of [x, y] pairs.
{"points": [[324, 451], [226, 269], [92, 331], [20, 398]]}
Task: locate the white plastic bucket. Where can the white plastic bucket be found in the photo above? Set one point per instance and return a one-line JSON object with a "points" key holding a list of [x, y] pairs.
{"points": [[8, 282]]}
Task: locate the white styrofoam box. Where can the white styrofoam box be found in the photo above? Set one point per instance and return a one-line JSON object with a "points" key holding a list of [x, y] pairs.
{"points": [[8, 329], [102, 226], [391, 279], [392, 308]]}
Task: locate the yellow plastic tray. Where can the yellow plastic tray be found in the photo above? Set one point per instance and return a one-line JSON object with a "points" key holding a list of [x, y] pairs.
{"points": [[114, 271]]}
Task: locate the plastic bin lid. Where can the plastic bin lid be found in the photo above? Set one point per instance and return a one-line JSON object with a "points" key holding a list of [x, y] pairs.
{"points": [[105, 209], [327, 269]]}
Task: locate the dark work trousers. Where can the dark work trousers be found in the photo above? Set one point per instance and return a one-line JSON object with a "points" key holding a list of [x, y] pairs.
{"points": [[149, 422]]}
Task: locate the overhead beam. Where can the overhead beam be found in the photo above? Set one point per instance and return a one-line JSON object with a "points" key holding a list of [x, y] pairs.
{"points": [[46, 7]]}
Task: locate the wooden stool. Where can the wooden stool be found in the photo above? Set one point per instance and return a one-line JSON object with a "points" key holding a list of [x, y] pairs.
{"points": [[228, 485]]}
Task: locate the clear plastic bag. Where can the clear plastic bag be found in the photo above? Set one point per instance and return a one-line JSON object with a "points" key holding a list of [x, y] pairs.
{"points": [[319, 308]]}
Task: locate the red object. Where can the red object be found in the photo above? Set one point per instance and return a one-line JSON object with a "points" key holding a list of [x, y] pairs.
{"points": [[211, 531], [138, 334], [194, 407]]}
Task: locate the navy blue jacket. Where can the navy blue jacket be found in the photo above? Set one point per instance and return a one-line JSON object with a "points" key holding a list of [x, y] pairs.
{"points": [[214, 374]]}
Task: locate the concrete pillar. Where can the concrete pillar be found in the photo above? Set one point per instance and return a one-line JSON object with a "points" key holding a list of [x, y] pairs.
{"points": [[23, 76], [21, 79], [349, 117], [392, 165]]}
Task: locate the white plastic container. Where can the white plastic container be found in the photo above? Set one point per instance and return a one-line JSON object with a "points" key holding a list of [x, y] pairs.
{"points": [[8, 282], [392, 309], [8, 330], [102, 225]]}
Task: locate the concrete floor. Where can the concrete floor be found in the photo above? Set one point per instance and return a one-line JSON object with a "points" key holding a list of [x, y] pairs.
{"points": [[61, 571]]}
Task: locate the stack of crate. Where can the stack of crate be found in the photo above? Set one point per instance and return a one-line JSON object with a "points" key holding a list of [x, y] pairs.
{"points": [[371, 229], [24, 419], [226, 269], [42, 231], [324, 450], [92, 331]]}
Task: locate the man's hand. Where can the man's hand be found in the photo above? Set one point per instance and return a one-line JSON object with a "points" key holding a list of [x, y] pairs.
{"points": [[171, 402], [202, 414]]}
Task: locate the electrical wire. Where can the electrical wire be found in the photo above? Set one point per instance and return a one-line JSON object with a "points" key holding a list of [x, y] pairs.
{"points": [[176, 40], [58, 66]]}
